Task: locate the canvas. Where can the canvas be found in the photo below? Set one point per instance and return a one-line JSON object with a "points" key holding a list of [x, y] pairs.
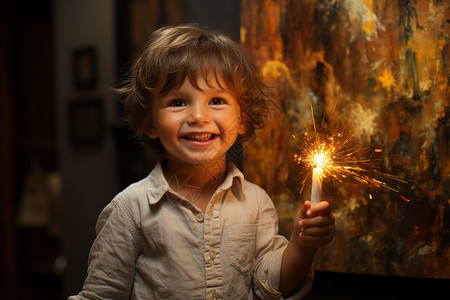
{"points": [[378, 72]]}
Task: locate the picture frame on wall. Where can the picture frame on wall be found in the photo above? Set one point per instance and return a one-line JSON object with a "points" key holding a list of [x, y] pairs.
{"points": [[85, 118], [85, 68]]}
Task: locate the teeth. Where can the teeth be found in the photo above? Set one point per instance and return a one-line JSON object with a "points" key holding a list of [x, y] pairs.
{"points": [[199, 137]]}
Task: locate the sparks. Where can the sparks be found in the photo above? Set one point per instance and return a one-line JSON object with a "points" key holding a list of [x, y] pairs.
{"points": [[332, 155], [404, 198]]}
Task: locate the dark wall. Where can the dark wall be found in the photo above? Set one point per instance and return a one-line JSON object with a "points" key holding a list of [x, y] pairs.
{"points": [[220, 15]]}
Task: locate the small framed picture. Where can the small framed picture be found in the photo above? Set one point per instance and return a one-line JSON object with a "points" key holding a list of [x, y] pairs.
{"points": [[85, 68], [85, 119]]}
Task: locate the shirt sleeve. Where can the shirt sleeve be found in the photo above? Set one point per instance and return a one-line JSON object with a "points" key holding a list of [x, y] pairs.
{"points": [[112, 257], [269, 252]]}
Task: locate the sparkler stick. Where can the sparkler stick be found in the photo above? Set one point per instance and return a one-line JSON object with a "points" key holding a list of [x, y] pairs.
{"points": [[316, 189], [319, 160]]}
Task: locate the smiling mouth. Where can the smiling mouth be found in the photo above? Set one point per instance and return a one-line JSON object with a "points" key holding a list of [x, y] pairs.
{"points": [[204, 137]]}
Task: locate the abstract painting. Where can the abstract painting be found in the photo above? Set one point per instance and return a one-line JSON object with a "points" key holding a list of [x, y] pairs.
{"points": [[382, 69]]}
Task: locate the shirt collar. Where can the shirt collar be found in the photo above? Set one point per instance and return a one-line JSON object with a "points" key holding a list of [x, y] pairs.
{"points": [[157, 185]]}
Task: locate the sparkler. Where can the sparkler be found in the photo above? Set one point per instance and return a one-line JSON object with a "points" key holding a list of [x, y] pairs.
{"points": [[332, 155]]}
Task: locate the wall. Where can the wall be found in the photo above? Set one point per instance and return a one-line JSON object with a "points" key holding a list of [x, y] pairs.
{"points": [[220, 15], [89, 173]]}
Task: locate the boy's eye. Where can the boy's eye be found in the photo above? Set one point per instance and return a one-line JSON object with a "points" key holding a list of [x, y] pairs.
{"points": [[177, 103], [217, 101]]}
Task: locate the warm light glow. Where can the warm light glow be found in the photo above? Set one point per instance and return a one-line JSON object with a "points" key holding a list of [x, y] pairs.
{"points": [[320, 160], [318, 171]]}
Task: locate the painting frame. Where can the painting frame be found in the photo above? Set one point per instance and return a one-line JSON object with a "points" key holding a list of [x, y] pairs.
{"points": [[85, 121], [84, 68]]}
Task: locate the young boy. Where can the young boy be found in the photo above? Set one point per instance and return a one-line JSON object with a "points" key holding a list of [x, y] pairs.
{"points": [[195, 228]]}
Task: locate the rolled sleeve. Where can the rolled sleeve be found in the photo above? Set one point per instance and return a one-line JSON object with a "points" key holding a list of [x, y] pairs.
{"points": [[267, 278], [267, 275]]}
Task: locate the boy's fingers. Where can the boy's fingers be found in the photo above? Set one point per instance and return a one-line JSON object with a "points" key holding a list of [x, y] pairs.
{"points": [[315, 224], [318, 221], [316, 241], [321, 208], [302, 214], [318, 230]]}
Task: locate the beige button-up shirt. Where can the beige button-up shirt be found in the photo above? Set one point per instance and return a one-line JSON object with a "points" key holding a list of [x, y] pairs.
{"points": [[154, 244]]}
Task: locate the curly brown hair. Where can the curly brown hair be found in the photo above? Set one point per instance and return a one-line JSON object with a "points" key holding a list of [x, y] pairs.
{"points": [[174, 53]]}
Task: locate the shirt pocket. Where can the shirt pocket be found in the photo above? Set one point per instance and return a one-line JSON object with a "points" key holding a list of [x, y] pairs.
{"points": [[241, 246]]}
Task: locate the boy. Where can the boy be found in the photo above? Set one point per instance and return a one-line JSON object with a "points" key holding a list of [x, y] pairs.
{"points": [[195, 228]]}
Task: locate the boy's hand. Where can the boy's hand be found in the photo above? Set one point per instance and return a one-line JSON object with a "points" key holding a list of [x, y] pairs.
{"points": [[314, 226]]}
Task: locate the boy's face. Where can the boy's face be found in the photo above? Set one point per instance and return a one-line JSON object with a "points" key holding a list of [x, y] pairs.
{"points": [[196, 126]]}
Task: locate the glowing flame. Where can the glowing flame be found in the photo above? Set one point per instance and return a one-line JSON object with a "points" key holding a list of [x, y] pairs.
{"points": [[320, 160]]}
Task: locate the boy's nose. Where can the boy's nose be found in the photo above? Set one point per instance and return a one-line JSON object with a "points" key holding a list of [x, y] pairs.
{"points": [[199, 114]]}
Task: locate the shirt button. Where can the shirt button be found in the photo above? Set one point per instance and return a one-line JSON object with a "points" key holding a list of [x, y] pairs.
{"points": [[199, 217], [212, 254]]}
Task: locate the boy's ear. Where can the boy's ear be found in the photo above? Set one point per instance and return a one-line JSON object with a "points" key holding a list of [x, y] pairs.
{"points": [[242, 125], [149, 129]]}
